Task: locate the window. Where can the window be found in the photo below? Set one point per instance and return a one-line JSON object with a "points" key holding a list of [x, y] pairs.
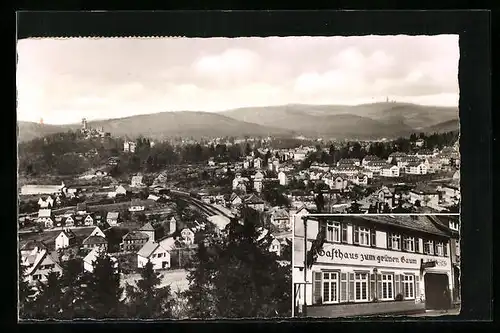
{"points": [[333, 232], [409, 244], [36, 277], [344, 232], [439, 249], [330, 287], [362, 236], [417, 244], [343, 287], [361, 286], [394, 241], [387, 286], [428, 247], [408, 287]]}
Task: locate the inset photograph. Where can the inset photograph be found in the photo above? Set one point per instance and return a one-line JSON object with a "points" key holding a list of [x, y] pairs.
{"points": [[376, 265]]}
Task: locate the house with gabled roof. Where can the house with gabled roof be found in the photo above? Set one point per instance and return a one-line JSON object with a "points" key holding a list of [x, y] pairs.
{"points": [[133, 241], [254, 202], [187, 236], [81, 208], [416, 168], [65, 239], [95, 241], [156, 254], [235, 200], [46, 218], [46, 202], [90, 258], [112, 218], [369, 158], [32, 247], [149, 230], [89, 220], [69, 221], [389, 170], [43, 263]]}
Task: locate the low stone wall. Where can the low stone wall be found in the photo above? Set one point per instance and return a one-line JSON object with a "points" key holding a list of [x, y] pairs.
{"points": [[365, 309]]}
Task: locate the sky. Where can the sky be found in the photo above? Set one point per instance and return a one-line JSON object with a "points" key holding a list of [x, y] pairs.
{"points": [[64, 80]]}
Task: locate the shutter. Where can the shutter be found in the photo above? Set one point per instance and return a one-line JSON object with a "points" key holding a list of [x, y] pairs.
{"points": [[317, 299], [401, 285], [373, 287], [396, 284], [343, 232], [417, 244], [373, 238], [389, 243], [343, 287], [379, 286], [417, 286], [351, 287], [355, 235]]}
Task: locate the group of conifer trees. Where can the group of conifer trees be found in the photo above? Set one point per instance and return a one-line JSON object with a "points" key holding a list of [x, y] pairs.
{"points": [[234, 276]]}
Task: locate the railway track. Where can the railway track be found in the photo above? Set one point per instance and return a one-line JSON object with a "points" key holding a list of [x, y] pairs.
{"points": [[204, 207]]}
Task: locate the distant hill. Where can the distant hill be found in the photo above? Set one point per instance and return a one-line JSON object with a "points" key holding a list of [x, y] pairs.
{"points": [[28, 131], [163, 125], [367, 121], [446, 126]]}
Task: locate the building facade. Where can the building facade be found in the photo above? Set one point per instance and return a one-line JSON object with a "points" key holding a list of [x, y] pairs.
{"points": [[370, 265]]}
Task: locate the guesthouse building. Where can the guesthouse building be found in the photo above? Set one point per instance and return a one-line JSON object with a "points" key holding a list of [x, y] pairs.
{"points": [[370, 265]]}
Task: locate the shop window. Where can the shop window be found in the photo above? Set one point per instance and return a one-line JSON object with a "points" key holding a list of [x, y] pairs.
{"points": [[409, 244], [361, 287], [428, 247], [408, 286], [333, 232], [330, 287], [362, 236], [387, 292]]}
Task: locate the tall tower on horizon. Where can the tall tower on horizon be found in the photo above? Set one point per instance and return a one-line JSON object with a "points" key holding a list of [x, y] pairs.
{"points": [[84, 123]]}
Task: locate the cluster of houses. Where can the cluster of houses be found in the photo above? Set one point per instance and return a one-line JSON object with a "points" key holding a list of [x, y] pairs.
{"points": [[78, 217]]}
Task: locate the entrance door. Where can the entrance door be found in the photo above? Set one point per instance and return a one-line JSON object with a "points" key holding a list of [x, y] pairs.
{"points": [[436, 291], [163, 264], [330, 287]]}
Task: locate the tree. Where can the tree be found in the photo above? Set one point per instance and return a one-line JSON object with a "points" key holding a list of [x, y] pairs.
{"points": [[317, 245], [26, 293], [72, 300], [148, 300], [372, 209], [47, 304], [354, 208], [103, 289], [320, 202], [386, 208], [200, 298], [248, 150], [237, 276]]}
